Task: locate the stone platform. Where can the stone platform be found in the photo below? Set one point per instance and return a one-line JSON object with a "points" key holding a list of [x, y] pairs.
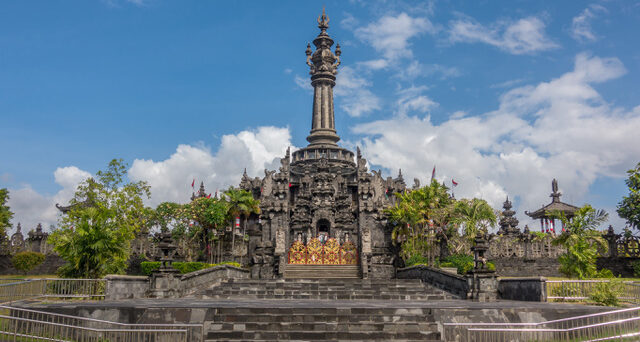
{"points": [[320, 310]]}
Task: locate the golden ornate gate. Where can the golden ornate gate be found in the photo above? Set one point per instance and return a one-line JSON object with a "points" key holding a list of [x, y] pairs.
{"points": [[329, 253]]}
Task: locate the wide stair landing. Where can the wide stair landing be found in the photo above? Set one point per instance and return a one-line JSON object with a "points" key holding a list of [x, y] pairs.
{"points": [[321, 310], [326, 289]]}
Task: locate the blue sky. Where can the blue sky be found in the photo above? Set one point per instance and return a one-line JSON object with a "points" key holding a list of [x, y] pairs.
{"points": [[502, 96]]}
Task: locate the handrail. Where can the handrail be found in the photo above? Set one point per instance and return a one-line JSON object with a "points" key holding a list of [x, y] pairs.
{"points": [[93, 319], [451, 328]]}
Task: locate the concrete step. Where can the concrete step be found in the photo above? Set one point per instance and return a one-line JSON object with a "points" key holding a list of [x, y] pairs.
{"points": [[322, 271], [323, 335]]}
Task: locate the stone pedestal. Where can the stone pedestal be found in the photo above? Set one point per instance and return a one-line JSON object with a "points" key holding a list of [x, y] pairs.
{"points": [[165, 285], [483, 286]]}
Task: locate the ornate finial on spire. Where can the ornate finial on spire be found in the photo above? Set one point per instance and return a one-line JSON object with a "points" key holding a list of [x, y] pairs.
{"points": [[39, 228], [323, 21], [508, 222], [19, 228]]}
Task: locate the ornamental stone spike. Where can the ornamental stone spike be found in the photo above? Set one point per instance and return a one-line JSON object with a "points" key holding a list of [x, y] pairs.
{"points": [[323, 65]]}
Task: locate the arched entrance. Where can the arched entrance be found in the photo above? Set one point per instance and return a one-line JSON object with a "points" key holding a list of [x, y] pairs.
{"points": [[322, 227]]}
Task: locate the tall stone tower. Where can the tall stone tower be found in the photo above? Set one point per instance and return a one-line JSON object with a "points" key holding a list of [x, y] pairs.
{"points": [[322, 193]]}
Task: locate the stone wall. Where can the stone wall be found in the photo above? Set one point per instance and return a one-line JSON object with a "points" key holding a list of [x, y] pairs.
{"points": [[126, 287], [449, 282], [531, 289], [210, 276], [50, 265], [522, 267], [619, 266]]}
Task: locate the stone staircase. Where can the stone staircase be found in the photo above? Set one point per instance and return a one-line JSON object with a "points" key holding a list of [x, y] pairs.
{"points": [[322, 324], [321, 271], [326, 289]]}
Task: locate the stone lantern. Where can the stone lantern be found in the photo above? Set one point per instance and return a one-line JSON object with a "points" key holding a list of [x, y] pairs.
{"points": [[482, 282], [165, 282]]}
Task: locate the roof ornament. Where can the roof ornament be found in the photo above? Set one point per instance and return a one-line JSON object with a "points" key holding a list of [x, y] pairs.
{"points": [[555, 195], [323, 21]]}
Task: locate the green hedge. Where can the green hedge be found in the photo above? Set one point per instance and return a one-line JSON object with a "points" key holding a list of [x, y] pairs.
{"points": [[416, 260], [148, 267], [463, 262]]}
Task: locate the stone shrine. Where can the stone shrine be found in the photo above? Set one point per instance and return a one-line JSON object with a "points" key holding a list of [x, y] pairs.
{"points": [[322, 206]]}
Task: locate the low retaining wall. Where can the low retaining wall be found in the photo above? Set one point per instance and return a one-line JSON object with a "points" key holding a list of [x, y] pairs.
{"points": [[619, 266], [126, 287], [449, 282], [169, 286], [531, 289], [522, 267], [210, 276]]}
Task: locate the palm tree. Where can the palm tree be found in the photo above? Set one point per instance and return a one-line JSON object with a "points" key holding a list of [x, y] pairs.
{"points": [[582, 241], [240, 204], [416, 214], [474, 215]]}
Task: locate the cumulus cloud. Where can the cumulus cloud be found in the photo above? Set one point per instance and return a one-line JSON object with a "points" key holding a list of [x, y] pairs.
{"points": [[559, 129], [353, 94], [415, 69], [170, 179], [581, 24], [412, 100], [31, 207], [524, 36], [390, 34]]}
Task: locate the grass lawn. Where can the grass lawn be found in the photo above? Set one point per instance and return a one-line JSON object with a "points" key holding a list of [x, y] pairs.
{"points": [[22, 276]]}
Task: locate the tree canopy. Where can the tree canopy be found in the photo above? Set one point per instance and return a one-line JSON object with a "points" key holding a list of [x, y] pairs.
{"points": [[106, 211], [629, 207], [582, 241], [5, 213]]}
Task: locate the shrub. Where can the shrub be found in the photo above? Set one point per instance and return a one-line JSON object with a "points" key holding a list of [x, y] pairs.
{"points": [[149, 267], [416, 259], [607, 293], [463, 262], [447, 264], [636, 268], [26, 261]]}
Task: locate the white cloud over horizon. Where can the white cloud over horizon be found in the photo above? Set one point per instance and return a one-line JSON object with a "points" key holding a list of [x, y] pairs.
{"points": [[559, 129], [170, 179], [524, 36]]}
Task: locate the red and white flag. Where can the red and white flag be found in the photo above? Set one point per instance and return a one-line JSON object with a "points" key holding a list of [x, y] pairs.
{"points": [[193, 182], [454, 182], [433, 173], [209, 196]]}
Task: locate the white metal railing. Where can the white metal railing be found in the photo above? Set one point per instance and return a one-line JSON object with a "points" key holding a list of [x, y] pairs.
{"points": [[619, 330], [579, 328], [32, 325], [51, 287], [575, 290]]}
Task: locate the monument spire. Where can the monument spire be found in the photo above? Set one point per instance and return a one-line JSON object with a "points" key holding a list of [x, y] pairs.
{"points": [[323, 66]]}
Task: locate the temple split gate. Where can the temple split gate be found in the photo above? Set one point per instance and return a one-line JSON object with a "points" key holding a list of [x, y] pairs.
{"points": [[329, 253]]}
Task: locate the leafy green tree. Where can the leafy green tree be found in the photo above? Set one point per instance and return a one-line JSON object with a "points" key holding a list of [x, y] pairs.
{"points": [[106, 212], [417, 216], [582, 241], [27, 260], [5, 214], [475, 216], [94, 247], [629, 207], [240, 203]]}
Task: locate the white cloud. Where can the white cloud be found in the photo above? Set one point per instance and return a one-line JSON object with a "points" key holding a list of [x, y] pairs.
{"points": [[521, 37], [390, 34], [303, 83], [374, 64], [581, 24], [415, 69], [412, 100], [31, 207], [170, 179], [353, 94], [558, 129]]}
